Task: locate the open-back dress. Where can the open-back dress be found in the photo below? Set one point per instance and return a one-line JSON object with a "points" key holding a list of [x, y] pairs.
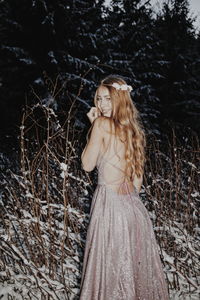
{"points": [[121, 258]]}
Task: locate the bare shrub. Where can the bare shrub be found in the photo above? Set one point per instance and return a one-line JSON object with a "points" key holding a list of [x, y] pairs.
{"points": [[172, 197], [41, 209]]}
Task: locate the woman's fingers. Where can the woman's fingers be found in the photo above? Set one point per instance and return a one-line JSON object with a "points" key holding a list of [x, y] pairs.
{"points": [[92, 114]]}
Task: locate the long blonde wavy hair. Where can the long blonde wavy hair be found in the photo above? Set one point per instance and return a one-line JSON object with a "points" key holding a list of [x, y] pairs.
{"points": [[127, 122]]}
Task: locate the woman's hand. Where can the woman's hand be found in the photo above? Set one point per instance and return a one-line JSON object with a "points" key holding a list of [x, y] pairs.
{"points": [[93, 114]]}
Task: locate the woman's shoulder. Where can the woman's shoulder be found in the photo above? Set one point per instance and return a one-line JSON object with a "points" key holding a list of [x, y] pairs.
{"points": [[104, 119], [104, 122]]}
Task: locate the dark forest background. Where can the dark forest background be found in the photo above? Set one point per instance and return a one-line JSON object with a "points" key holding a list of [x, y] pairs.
{"points": [[53, 55], [80, 42]]}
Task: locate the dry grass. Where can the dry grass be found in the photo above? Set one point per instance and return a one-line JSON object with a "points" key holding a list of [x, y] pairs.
{"points": [[40, 212], [172, 197]]}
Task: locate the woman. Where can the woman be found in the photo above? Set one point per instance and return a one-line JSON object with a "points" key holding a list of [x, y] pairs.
{"points": [[121, 259]]}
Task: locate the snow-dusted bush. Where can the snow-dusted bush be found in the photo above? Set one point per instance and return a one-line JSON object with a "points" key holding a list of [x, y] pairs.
{"points": [[43, 222], [172, 197]]}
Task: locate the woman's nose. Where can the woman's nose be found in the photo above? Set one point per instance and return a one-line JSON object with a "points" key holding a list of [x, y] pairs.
{"points": [[104, 104]]}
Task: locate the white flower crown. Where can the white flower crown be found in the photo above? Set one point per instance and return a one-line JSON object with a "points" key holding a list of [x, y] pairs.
{"points": [[123, 87]]}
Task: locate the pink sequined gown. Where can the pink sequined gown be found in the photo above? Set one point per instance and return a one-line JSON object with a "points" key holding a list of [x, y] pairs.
{"points": [[121, 258]]}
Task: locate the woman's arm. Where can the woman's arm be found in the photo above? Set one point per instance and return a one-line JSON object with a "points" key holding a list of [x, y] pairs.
{"points": [[90, 153]]}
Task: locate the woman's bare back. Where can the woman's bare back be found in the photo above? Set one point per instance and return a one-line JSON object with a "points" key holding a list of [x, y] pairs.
{"points": [[112, 156]]}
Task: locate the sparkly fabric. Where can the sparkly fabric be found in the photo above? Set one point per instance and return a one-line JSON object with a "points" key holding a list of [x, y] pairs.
{"points": [[121, 258]]}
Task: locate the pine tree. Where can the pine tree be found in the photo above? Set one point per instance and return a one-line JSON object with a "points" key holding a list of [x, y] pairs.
{"points": [[58, 38], [177, 35]]}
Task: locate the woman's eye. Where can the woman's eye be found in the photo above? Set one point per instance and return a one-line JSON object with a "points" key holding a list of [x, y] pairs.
{"points": [[108, 99]]}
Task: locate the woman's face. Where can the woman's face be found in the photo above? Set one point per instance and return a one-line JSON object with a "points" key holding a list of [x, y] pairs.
{"points": [[104, 101]]}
